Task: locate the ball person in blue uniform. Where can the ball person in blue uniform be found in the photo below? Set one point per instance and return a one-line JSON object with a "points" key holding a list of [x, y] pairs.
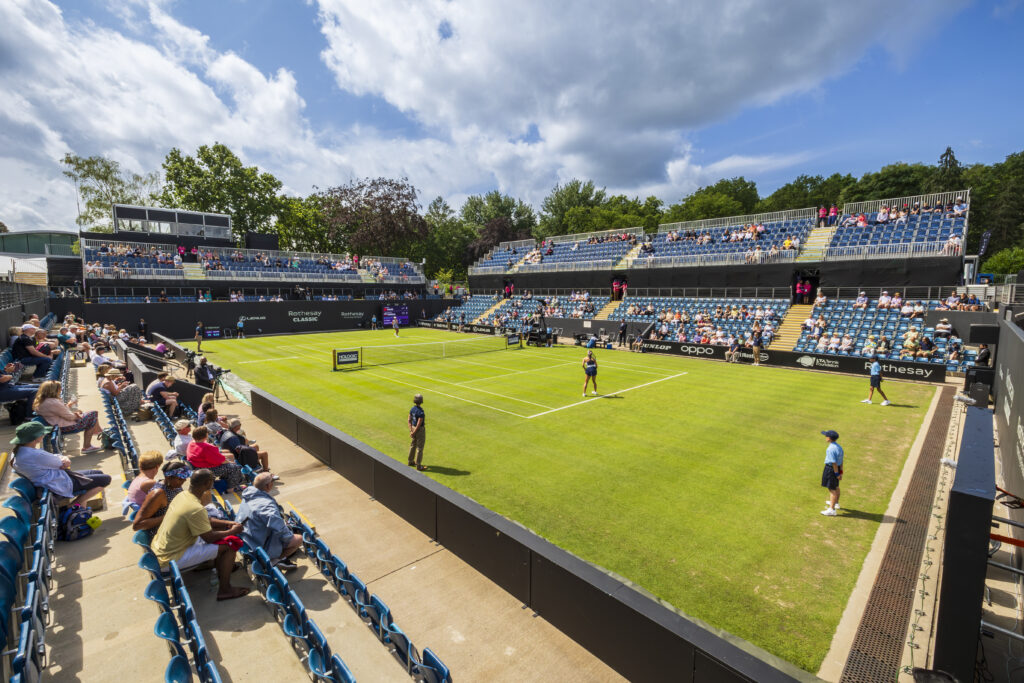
{"points": [[833, 472], [590, 372], [417, 433], [876, 382]]}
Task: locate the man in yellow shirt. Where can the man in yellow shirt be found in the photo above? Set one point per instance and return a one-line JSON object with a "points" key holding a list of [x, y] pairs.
{"points": [[188, 536]]}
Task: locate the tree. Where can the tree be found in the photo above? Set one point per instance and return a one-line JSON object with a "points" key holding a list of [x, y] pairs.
{"points": [[215, 180], [373, 216], [100, 183], [447, 242], [3, 227], [478, 211], [574, 194], [301, 227], [806, 191], [703, 205], [892, 181], [1005, 261], [949, 175], [496, 231]]}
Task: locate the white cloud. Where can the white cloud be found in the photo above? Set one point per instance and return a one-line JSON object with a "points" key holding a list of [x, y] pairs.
{"points": [[611, 89]]}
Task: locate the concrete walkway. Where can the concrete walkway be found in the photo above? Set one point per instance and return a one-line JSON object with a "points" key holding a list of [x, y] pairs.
{"points": [[103, 625]]}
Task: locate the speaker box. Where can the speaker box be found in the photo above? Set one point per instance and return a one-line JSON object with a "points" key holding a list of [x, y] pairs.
{"points": [[979, 391], [983, 334]]}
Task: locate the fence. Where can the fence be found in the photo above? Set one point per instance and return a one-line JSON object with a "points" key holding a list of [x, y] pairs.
{"points": [[281, 277], [773, 217], [566, 266], [874, 205], [14, 294], [693, 260], [487, 270], [584, 236], [879, 251]]}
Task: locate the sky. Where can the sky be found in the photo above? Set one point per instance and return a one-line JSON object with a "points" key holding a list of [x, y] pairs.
{"points": [[466, 96]]}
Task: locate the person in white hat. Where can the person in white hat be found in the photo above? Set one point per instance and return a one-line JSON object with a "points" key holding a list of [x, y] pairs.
{"points": [[24, 350]]}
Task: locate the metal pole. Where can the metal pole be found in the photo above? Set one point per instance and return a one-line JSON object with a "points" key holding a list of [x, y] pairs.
{"points": [[1007, 567], [1004, 520], [1004, 631]]}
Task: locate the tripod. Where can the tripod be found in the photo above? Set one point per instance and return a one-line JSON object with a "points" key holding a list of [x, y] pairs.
{"points": [[218, 389]]}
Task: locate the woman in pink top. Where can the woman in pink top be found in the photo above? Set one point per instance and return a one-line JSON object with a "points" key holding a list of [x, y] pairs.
{"points": [[149, 465], [66, 415]]}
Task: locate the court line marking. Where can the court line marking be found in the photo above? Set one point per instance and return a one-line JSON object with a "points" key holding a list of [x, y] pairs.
{"points": [[457, 398], [598, 398], [520, 372], [268, 360], [459, 384], [629, 368]]}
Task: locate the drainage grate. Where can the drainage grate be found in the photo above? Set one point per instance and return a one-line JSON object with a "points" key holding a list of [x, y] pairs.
{"points": [[877, 649]]}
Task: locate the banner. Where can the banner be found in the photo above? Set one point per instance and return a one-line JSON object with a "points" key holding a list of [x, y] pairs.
{"points": [[345, 357], [855, 365]]}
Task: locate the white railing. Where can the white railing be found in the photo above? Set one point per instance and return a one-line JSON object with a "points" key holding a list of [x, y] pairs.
{"points": [[773, 217], [874, 205], [584, 236], [295, 276], [873, 251], [486, 270], [121, 273], [567, 266], [731, 258]]}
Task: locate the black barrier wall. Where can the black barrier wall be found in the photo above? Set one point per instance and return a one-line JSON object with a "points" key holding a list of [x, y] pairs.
{"points": [[634, 634], [1009, 414], [923, 372], [178, 320]]}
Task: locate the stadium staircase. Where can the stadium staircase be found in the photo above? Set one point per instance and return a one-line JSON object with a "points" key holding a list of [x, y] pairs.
{"points": [[789, 331], [628, 259], [518, 263], [479, 320], [817, 242], [366, 276], [193, 271], [607, 310]]}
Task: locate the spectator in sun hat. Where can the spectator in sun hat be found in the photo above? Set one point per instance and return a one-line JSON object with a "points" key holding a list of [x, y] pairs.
{"points": [[943, 330], [24, 350], [870, 346], [862, 301], [833, 472], [959, 208], [50, 470], [884, 301]]}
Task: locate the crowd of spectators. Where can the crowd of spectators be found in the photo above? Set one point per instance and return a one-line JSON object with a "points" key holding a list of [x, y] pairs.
{"points": [[706, 326], [897, 215]]}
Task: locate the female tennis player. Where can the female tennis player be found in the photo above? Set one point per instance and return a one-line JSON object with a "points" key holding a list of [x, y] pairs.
{"points": [[590, 371], [394, 324]]}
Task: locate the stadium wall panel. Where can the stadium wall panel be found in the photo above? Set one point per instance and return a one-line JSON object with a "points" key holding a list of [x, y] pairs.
{"points": [[1009, 417], [962, 321], [943, 270], [178, 320], [314, 440], [638, 636]]}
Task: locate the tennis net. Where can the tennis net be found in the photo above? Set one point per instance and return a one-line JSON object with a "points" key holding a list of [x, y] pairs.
{"points": [[368, 356]]}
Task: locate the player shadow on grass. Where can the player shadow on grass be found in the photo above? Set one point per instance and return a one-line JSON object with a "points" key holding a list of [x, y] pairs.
{"points": [[449, 471], [876, 517]]}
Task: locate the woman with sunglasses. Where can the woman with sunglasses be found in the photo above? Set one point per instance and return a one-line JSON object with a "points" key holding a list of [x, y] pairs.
{"points": [[153, 508]]}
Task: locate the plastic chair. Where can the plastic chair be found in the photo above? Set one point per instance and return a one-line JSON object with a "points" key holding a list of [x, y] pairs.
{"points": [[149, 562], [167, 629], [379, 614], [141, 538], [15, 530], [432, 669], [156, 591], [24, 487]]}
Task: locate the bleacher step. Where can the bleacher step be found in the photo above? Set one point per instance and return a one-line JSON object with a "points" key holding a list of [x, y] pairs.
{"points": [[193, 271], [628, 259], [813, 248], [489, 312], [606, 310], [788, 332]]}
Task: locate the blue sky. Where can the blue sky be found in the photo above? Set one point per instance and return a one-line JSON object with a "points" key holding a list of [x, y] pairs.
{"points": [[467, 96]]}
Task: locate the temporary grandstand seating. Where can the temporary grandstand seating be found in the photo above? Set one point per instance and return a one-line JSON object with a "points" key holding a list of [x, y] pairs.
{"points": [[681, 250], [927, 233], [842, 318], [519, 307], [692, 306], [604, 251], [473, 307]]}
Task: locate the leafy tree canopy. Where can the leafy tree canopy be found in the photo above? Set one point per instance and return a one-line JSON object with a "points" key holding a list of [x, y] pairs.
{"points": [[100, 183]]}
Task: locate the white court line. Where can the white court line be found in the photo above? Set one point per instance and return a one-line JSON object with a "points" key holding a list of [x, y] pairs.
{"points": [[598, 398], [459, 384], [630, 368], [435, 391], [519, 372], [268, 360]]}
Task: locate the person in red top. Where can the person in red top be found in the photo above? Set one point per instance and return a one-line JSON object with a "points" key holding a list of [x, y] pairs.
{"points": [[204, 455], [833, 215], [822, 216]]}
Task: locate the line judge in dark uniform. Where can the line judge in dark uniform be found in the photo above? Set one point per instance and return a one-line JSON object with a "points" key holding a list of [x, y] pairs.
{"points": [[417, 433]]}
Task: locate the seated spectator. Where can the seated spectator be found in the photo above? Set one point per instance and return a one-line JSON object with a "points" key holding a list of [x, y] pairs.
{"points": [[943, 330], [263, 525], [884, 301], [910, 348], [862, 220], [98, 357], [884, 346], [954, 351], [190, 537], [152, 510], [951, 303], [849, 221], [822, 345], [149, 465], [159, 392], [883, 216], [861, 302], [50, 470], [44, 346], [907, 310], [984, 356], [10, 390], [926, 349], [847, 344], [870, 346], [24, 351], [48, 406], [960, 207], [128, 395], [821, 299], [834, 342], [207, 403], [919, 310], [972, 303], [183, 437], [202, 454], [897, 301], [245, 451]]}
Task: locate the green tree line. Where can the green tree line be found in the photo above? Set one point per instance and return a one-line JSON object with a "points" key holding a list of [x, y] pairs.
{"points": [[385, 217]]}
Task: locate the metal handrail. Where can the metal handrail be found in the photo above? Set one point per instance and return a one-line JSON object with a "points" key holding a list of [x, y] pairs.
{"points": [[874, 205], [874, 251], [771, 217], [584, 236], [783, 256], [562, 266]]}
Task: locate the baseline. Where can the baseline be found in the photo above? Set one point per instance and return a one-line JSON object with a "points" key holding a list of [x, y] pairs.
{"points": [[598, 398], [457, 398]]}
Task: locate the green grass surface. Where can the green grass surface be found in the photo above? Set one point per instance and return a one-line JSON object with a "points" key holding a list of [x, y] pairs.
{"points": [[697, 480]]}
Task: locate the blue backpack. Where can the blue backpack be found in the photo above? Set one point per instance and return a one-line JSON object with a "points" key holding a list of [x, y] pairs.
{"points": [[73, 523]]}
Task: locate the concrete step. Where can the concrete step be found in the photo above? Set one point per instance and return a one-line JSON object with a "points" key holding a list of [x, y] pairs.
{"points": [[479, 320], [628, 259], [607, 310]]}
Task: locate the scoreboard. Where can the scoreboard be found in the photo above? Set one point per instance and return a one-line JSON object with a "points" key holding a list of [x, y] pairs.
{"points": [[392, 311]]}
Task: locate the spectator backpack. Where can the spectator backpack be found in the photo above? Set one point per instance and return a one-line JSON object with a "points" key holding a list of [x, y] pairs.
{"points": [[73, 523]]}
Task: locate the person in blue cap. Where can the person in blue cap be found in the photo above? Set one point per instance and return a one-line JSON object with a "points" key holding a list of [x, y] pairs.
{"points": [[833, 472]]}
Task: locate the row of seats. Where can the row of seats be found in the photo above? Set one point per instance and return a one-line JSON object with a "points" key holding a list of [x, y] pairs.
{"points": [[120, 436], [371, 608], [177, 624], [916, 232], [775, 234], [26, 560]]}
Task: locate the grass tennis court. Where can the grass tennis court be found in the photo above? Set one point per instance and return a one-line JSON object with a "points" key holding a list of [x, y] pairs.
{"points": [[697, 480]]}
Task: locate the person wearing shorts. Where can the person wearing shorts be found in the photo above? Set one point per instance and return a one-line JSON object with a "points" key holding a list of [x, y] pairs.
{"points": [[417, 433], [394, 324], [876, 382], [373, 322], [833, 472], [589, 372]]}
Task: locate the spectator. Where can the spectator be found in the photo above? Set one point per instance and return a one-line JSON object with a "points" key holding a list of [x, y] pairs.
{"points": [[190, 537], [153, 509], [24, 350], [44, 346], [822, 216], [183, 437], [897, 301], [927, 348], [245, 451], [202, 454], [951, 303], [882, 217], [128, 395], [884, 346], [263, 525], [820, 300], [861, 302], [870, 346], [884, 301], [907, 310], [919, 310], [960, 207], [984, 356], [910, 348], [50, 470], [159, 392], [149, 465], [10, 390], [48, 406], [943, 330], [206, 404], [954, 351], [833, 214]]}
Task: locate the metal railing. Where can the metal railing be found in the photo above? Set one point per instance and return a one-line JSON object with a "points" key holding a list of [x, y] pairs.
{"points": [[567, 266], [876, 204], [121, 273], [584, 236], [880, 251], [281, 277], [487, 270], [14, 294], [60, 250], [727, 221], [695, 260]]}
